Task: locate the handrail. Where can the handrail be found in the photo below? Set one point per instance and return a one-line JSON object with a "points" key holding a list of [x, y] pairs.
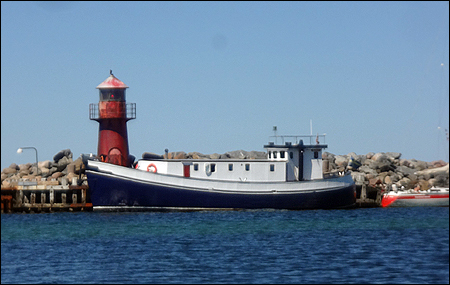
{"points": [[297, 137]]}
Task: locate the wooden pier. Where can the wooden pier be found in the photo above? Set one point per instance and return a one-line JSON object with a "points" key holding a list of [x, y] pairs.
{"points": [[45, 196]]}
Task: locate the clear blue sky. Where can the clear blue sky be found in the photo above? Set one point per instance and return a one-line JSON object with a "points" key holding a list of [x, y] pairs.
{"points": [[214, 77]]}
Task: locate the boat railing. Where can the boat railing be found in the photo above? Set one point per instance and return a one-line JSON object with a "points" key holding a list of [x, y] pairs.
{"points": [[313, 139]]}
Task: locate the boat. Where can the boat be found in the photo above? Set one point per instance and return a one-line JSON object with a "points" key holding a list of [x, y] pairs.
{"points": [[435, 196], [289, 176]]}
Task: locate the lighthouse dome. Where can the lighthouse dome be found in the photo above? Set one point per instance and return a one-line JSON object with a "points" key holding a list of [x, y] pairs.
{"points": [[112, 82]]}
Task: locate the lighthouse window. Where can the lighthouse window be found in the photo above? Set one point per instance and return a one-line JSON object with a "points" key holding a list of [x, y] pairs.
{"points": [[275, 154], [230, 166], [112, 95], [247, 167], [195, 166], [272, 167], [316, 154], [282, 154], [291, 155]]}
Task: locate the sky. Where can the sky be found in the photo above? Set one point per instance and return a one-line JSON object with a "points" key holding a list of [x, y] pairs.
{"points": [[214, 77]]}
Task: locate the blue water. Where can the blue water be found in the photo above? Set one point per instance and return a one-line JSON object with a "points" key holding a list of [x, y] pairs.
{"points": [[378, 245]]}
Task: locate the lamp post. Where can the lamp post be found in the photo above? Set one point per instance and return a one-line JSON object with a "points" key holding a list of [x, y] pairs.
{"points": [[22, 148]]}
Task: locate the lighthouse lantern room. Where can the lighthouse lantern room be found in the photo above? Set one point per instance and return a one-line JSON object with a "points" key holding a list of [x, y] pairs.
{"points": [[112, 113]]}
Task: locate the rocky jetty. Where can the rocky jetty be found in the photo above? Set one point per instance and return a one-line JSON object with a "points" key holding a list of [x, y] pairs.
{"points": [[387, 169], [372, 169], [62, 166]]}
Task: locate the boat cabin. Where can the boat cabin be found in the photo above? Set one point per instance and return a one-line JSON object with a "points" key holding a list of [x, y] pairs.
{"points": [[285, 162]]}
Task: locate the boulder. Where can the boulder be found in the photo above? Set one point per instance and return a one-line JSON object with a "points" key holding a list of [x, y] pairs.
{"points": [[418, 165], [341, 161], [57, 175], [214, 156], [45, 164], [370, 155], [63, 153], [432, 172], [380, 157], [237, 154], [63, 162], [405, 171], [9, 170], [14, 166], [438, 163], [151, 156], [25, 166], [394, 155]]}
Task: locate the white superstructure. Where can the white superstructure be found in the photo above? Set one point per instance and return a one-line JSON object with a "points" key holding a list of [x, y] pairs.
{"points": [[284, 163]]}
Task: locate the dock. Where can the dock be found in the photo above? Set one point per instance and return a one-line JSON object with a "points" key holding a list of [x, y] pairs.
{"points": [[45, 196]]}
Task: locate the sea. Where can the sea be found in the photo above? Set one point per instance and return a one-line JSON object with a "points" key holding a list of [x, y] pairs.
{"points": [[372, 245]]}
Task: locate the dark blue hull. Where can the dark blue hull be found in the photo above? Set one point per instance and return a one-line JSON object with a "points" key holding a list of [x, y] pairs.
{"points": [[111, 191]]}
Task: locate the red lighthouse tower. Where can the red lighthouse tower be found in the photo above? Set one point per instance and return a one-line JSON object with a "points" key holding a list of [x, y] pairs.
{"points": [[112, 113]]}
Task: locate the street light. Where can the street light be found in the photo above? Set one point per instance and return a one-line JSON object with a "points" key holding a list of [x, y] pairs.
{"points": [[22, 148]]}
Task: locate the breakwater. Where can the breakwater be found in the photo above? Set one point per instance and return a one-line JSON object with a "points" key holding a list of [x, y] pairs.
{"points": [[46, 183]]}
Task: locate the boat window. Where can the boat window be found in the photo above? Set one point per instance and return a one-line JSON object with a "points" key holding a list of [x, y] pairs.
{"points": [[282, 154], [213, 167], [230, 166], [247, 167], [275, 154], [272, 167], [291, 154], [316, 154], [195, 166]]}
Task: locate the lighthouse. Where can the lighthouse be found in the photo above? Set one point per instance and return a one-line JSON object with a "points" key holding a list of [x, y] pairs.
{"points": [[112, 113]]}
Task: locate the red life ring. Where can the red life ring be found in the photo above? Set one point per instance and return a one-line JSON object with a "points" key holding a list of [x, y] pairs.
{"points": [[151, 165]]}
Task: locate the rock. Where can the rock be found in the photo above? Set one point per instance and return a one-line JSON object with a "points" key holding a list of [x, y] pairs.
{"points": [[341, 161], [25, 166], [237, 154], [405, 182], [394, 155], [405, 171], [57, 175], [45, 172], [387, 180], [70, 176], [196, 155], [366, 169], [438, 163], [224, 156], [45, 164], [5, 184], [417, 164], [62, 163], [63, 153], [434, 171], [180, 155], [214, 156], [14, 166], [380, 157], [370, 155], [9, 170], [150, 156]]}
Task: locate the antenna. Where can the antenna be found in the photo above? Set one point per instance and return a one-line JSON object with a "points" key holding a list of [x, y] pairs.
{"points": [[275, 133], [310, 126]]}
